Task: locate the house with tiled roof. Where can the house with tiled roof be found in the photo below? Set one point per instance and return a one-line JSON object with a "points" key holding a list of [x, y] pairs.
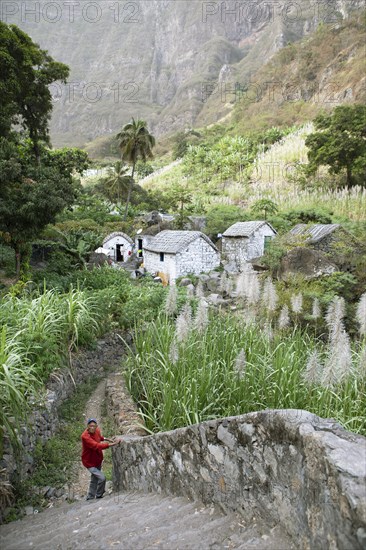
{"points": [[244, 241], [119, 246], [332, 242], [320, 236], [177, 253]]}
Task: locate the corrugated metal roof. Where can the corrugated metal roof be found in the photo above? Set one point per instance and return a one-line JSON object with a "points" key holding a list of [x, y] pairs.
{"points": [[173, 242], [245, 229], [118, 234], [314, 233]]}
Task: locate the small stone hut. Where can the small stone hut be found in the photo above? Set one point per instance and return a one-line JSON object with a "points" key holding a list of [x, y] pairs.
{"points": [[176, 253], [119, 245], [244, 241], [320, 236]]}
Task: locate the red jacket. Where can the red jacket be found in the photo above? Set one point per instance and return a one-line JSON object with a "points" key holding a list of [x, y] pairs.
{"points": [[92, 453]]}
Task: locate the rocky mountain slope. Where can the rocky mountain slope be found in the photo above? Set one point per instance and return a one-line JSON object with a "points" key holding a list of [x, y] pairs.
{"points": [[158, 59]]}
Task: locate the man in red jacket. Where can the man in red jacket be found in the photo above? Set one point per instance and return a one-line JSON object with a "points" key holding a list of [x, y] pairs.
{"points": [[92, 457]]}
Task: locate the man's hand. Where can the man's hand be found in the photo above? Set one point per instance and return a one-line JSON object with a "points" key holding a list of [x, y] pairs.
{"points": [[115, 442]]}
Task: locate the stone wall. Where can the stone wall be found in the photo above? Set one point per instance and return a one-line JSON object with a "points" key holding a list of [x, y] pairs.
{"points": [[238, 250], [121, 407], [153, 265], [290, 467], [198, 258], [44, 421]]}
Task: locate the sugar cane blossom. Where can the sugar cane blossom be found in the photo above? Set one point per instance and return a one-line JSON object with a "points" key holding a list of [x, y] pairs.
{"points": [[334, 318], [284, 318], [297, 303], [240, 364], [183, 323], [269, 295], [361, 314], [201, 319], [338, 364], [171, 301], [174, 352], [313, 370], [316, 310]]}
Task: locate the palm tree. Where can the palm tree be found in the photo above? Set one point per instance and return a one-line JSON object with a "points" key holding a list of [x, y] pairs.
{"points": [[135, 142], [116, 180]]}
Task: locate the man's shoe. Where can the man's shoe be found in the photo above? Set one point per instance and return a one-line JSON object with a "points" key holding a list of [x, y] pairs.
{"points": [[89, 498], [101, 496]]}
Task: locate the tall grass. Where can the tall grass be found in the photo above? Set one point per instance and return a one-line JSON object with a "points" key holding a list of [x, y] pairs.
{"points": [[18, 381], [36, 333], [202, 381]]}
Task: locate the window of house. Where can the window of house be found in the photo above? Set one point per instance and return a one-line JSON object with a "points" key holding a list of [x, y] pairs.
{"points": [[161, 256]]}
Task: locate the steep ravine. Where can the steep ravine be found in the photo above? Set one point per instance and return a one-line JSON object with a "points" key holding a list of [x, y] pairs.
{"points": [[154, 58]]}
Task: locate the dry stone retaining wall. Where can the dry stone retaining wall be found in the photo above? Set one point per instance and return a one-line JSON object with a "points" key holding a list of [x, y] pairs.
{"points": [[290, 467], [44, 421]]}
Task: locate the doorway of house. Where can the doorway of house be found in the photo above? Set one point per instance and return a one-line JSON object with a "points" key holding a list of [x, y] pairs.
{"points": [[120, 255], [139, 251]]}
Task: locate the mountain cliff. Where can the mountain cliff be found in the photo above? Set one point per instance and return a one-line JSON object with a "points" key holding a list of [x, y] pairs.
{"points": [[167, 61]]}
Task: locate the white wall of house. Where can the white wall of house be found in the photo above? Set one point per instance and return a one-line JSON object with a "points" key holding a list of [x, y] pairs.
{"points": [[241, 249], [111, 245], [199, 257], [153, 264]]}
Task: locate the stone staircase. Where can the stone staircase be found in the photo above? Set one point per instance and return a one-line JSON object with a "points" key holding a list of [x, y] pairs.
{"points": [[137, 521]]}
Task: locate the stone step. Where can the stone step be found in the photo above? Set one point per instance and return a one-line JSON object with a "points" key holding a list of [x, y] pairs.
{"points": [[139, 521]]}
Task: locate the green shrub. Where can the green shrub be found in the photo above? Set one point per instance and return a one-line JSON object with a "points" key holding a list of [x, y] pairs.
{"points": [[309, 215], [275, 251], [339, 284], [219, 218], [7, 260], [100, 278]]}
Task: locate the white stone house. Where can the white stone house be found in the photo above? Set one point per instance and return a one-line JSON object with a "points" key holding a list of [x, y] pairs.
{"points": [[119, 246], [244, 241], [178, 253]]}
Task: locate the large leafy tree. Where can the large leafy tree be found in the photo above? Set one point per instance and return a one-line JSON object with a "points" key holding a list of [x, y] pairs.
{"points": [[26, 73], [340, 143], [32, 194], [36, 183], [135, 142]]}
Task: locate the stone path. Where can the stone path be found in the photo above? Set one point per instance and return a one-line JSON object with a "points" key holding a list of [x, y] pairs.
{"points": [[136, 521]]}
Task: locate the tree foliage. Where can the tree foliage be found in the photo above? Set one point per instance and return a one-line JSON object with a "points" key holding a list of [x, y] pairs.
{"points": [[31, 194], [180, 198], [116, 183], [27, 71], [220, 217], [267, 206], [135, 142], [340, 143], [36, 183]]}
